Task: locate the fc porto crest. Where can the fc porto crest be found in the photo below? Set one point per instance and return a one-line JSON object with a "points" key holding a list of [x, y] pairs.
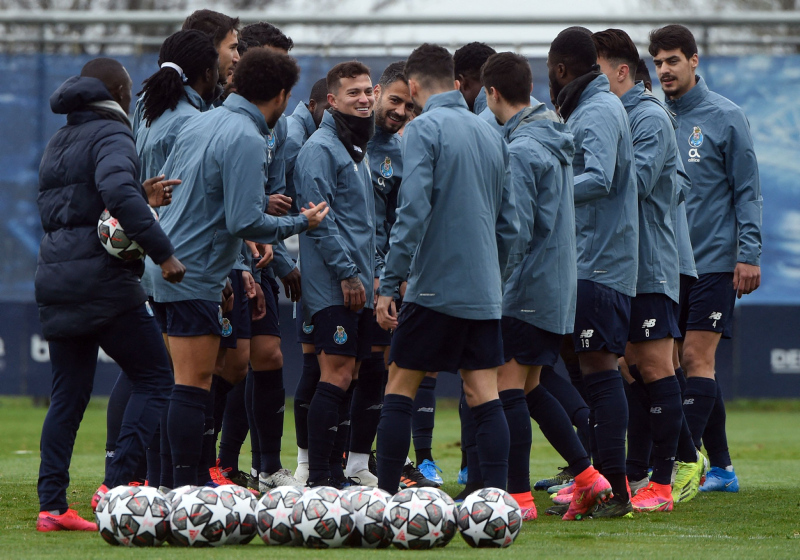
{"points": [[696, 138], [340, 336], [227, 328], [271, 141], [308, 329], [386, 168]]}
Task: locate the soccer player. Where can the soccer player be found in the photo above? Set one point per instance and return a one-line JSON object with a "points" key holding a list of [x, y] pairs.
{"points": [[221, 156], [654, 313], [607, 224], [303, 122], [338, 259], [456, 209], [467, 62], [224, 30], [724, 215], [90, 165]]}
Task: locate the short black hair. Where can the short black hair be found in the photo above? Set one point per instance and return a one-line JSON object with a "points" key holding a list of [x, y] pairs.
{"points": [[642, 72], [261, 74], [616, 46], [574, 48], [107, 70], [212, 23], [468, 59], [395, 72], [510, 74], [349, 69], [430, 64], [671, 37], [263, 34], [319, 91]]}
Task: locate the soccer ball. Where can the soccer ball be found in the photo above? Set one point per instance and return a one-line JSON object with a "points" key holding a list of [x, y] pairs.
{"points": [[416, 519], [450, 526], [200, 518], [175, 493], [489, 518], [242, 504], [273, 514], [133, 516], [115, 240], [321, 518], [368, 505]]}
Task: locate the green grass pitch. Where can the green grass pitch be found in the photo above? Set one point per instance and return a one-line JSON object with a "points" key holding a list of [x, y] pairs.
{"points": [[761, 521]]}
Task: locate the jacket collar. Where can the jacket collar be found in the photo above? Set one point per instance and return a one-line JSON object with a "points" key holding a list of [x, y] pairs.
{"points": [[302, 114], [238, 104], [691, 98], [633, 96], [194, 98], [480, 102], [446, 99], [599, 84]]}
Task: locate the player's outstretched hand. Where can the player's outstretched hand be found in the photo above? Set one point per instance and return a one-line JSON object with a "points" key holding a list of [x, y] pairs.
{"points": [[279, 205], [159, 190], [291, 283], [746, 278], [172, 270], [386, 313], [355, 296], [258, 305], [315, 214]]}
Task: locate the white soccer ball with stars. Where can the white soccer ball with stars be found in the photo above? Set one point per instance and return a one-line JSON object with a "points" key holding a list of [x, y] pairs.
{"points": [[133, 516], [489, 518], [273, 515], [200, 518], [450, 526], [242, 504], [114, 239], [369, 506], [416, 519], [322, 519]]}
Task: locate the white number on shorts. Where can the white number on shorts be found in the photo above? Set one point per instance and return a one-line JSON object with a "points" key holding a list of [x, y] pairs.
{"points": [[647, 333]]}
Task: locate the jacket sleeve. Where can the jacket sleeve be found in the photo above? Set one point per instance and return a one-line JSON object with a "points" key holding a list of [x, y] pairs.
{"points": [[116, 178], [316, 180], [742, 170], [243, 164], [414, 205], [276, 175], [649, 137], [282, 262], [684, 181], [600, 160], [507, 226]]}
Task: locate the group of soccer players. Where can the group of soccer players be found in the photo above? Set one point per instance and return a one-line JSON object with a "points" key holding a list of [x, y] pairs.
{"points": [[449, 222]]}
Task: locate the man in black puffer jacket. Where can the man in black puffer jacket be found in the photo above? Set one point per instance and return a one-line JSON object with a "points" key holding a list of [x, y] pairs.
{"points": [[87, 298]]}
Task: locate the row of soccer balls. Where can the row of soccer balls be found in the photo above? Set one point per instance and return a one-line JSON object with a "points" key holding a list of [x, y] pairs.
{"points": [[322, 517]]}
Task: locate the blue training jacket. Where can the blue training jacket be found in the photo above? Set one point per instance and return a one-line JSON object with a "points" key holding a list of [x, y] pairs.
{"points": [[724, 206], [456, 219], [543, 287], [282, 263], [343, 246], [386, 167], [656, 153], [221, 157], [300, 127], [606, 207], [685, 254]]}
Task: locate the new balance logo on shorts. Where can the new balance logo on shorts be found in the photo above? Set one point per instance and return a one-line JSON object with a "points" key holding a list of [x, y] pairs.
{"points": [[649, 324], [655, 410], [587, 333], [715, 316], [688, 401]]}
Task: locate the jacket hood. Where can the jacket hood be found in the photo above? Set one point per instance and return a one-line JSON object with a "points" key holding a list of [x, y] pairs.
{"points": [[638, 94], [544, 126], [76, 93]]}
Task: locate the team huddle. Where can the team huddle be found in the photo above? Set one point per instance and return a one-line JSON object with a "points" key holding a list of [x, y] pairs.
{"points": [[447, 222]]}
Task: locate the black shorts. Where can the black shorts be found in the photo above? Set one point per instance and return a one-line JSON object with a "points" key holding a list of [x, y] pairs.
{"points": [[305, 332], [342, 332], [709, 304], [269, 324], [427, 340], [653, 317], [528, 344], [159, 312], [193, 317], [602, 319], [379, 336], [236, 322]]}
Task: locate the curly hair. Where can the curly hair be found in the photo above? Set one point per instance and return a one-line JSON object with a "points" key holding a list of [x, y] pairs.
{"points": [[469, 59]]}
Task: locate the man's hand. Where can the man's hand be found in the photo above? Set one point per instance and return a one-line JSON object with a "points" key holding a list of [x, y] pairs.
{"points": [[172, 270], [249, 284], [315, 214], [386, 313], [159, 191], [266, 256], [746, 278], [258, 305], [227, 296], [279, 205], [355, 297], [291, 284]]}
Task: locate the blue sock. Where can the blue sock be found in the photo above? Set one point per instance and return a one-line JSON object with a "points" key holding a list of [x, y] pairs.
{"points": [[365, 410], [208, 454], [469, 444], [303, 395], [269, 400], [640, 440], [234, 427], [571, 400], [607, 399], [323, 423], [255, 450], [519, 451], [340, 442], [666, 417], [492, 440], [117, 401], [554, 423], [698, 402], [422, 421], [394, 439], [186, 422], [715, 437]]}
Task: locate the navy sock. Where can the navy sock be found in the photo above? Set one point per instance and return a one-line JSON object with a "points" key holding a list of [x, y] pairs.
{"points": [[666, 417], [519, 451], [394, 439], [186, 422], [715, 438], [607, 399], [554, 423], [166, 451], [365, 411], [234, 427], [221, 390], [303, 395], [698, 402], [687, 452], [576, 378], [681, 377], [117, 401], [154, 459], [255, 450], [269, 400], [340, 442], [422, 420], [208, 454], [571, 400], [640, 440], [469, 444], [492, 440], [323, 423]]}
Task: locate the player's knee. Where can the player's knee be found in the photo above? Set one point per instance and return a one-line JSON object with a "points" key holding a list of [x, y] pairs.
{"points": [[265, 353], [697, 360]]}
